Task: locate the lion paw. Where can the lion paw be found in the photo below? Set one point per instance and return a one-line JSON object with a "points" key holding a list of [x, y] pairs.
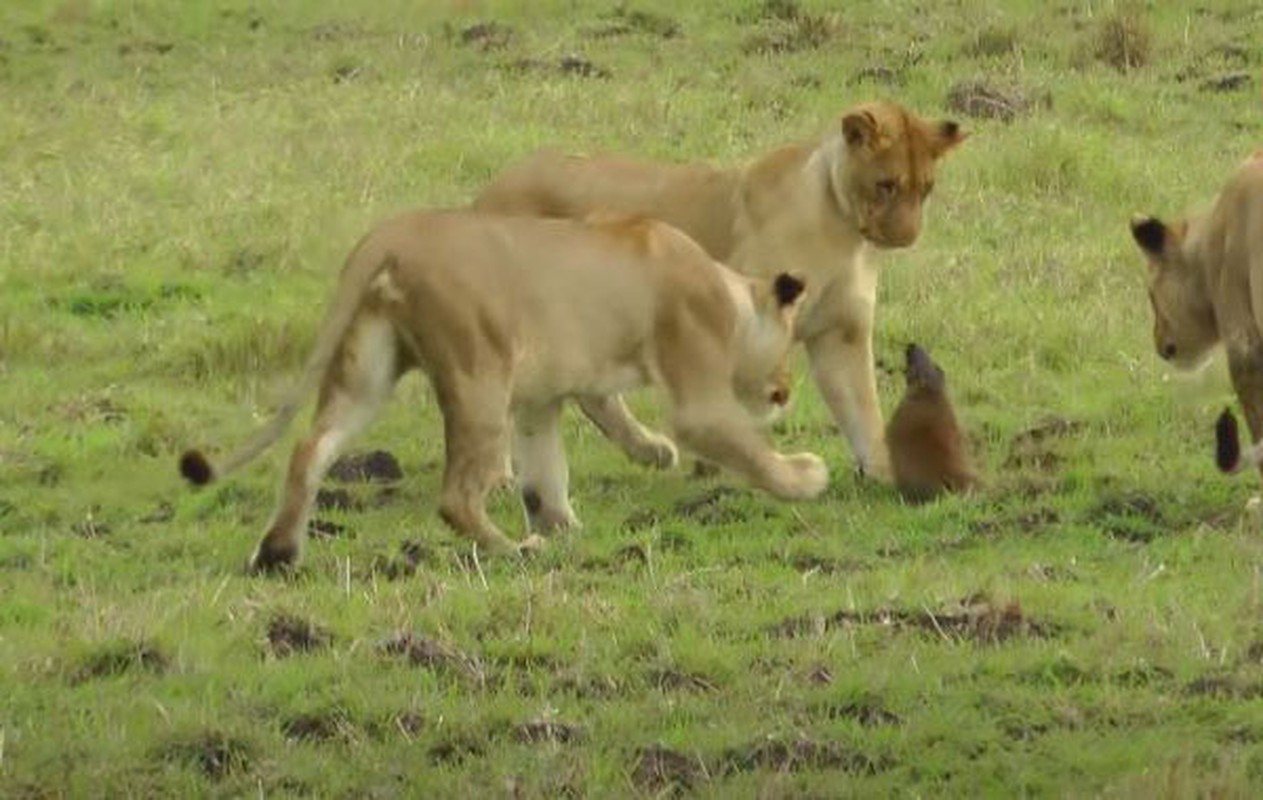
{"points": [[877, 468], [1253, 512], [811, 475], [532, 544], [553, 520], [656, 451]]}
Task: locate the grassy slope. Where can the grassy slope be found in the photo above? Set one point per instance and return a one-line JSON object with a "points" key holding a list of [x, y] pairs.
{"points": [[175, 192]]}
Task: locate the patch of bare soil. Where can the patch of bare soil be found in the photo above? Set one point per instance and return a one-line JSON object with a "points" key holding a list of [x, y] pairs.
{"points": [[779, 755], [377, 466], [1141, 675], [624, 21], [1122, 39], [211, 753], [867, 711], [409, 723], [338, 500], [1224, 687], [708, 508], [325, 529], [544, 731], [433, 655], [977, 619], [822, 565], [1033, 447], [588, 686], [145, 47], [674, 680], [413, 553], [1227, 82], [90, 527], [881, 75], [163, 512], [661, 770], [486, 36], [573, 64], [320, 726], [802, 31], [119, 658], [288, 634], [640, 519], [456, 750], [983, 100], [820, 675], [1130, 517], [1026, 521], [992, 42]]}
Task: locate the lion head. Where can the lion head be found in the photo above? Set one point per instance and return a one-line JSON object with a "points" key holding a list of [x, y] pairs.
{"points": [[1184, 327], [889, 169]]}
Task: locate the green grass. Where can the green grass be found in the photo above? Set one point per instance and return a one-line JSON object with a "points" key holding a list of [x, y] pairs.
{"points": [[178, 185]]}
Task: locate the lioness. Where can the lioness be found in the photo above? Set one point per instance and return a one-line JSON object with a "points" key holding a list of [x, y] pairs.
{"points": [[812, 207], [1205, 284], [510, 316]]}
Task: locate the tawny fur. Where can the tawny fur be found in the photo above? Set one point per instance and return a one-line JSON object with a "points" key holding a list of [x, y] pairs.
{"points": [[928, 451], [812, 208], [1205, 282], [509, 317]]}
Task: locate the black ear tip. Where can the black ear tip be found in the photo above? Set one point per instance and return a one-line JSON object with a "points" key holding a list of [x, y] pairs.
{"points": [[787, 288], [950, 128], [195, 468], [1150, 233], [1227, 442]]}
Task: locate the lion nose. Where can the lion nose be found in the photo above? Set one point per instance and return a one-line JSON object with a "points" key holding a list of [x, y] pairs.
{"points": [[779, 397], [1168, 351]]}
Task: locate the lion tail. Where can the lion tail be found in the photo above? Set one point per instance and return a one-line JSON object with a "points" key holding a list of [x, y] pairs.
{"points": [[357, 275]]}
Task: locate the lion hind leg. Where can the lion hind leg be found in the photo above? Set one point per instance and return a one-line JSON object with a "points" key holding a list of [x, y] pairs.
{"points": [[476, 433], [356, 386], [540, 463]]}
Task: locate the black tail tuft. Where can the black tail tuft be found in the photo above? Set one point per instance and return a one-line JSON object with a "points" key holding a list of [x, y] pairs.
{"points": [[195, 468], [1227, 442]]}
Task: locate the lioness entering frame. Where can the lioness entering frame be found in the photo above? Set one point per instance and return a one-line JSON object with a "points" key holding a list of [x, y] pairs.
{"points": [[812, 208], [1205, 282], [511, 316]]}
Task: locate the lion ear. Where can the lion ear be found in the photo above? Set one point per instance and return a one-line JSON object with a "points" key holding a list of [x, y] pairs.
{"points": [[788, 289], [860, 129], [947, 134], [1150, 233]]}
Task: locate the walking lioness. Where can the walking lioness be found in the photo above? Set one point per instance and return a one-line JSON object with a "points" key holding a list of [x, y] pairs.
{"points": [[1205, 282], [510, 316], [811, 208]]}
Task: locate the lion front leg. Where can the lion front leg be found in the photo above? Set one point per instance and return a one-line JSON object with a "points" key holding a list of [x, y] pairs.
{"points": [[842, 366], [1245, 366], [616, 422], [722, 433]]}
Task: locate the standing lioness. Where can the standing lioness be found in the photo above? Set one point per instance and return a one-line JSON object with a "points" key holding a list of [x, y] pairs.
{"points": [[1206, 285], [509, 317], [812, 208]]}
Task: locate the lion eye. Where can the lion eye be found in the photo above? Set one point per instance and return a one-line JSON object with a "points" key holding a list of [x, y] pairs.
{"points": [[887, 188]]}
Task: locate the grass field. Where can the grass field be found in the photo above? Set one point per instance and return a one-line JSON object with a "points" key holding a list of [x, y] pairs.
{"points": [[178, 185]]}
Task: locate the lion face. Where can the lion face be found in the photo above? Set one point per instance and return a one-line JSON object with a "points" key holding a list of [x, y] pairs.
{"points": [[762, 381], [1184, 329], [890, 170]]}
